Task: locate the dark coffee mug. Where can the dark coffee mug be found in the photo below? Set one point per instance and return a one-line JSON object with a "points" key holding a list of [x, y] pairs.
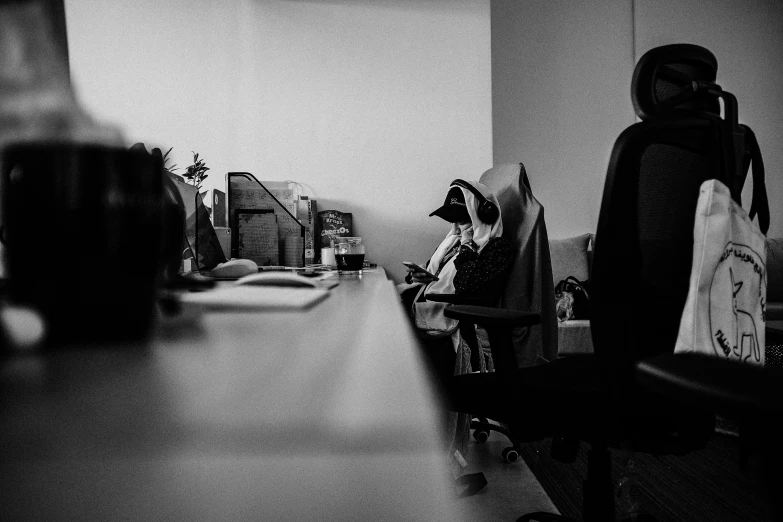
{"points": [[83, 232]]}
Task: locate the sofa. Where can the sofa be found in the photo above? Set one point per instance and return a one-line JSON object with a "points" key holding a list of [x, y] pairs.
{"points": [[573, 257]]}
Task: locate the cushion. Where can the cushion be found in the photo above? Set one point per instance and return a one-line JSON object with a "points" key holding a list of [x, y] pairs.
{"points": [[574, 336], [570, 258], [774, 270]]}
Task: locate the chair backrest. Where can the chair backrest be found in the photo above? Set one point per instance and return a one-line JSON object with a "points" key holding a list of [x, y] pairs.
{"points": [[529, 285], [644, 240]]}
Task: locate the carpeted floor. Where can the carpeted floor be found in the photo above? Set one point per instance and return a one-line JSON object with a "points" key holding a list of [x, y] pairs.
{"points": [[704, 485]]}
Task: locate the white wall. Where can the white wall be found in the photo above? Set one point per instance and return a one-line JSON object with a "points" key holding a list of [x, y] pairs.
{"points": [[561, 76], [747, 39], [562, 72], [374, 106]]}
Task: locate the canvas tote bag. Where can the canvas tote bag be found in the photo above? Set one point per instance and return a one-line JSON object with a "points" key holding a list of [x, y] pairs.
{"points": [[724, 310]]}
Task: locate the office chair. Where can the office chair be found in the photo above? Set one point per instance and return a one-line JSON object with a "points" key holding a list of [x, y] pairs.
{"points": [[639, 283], [529, 285], [751, 395]]}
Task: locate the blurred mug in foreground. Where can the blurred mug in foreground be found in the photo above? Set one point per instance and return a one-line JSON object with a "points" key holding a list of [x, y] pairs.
{"points": [[349, 254], [82, 225]]}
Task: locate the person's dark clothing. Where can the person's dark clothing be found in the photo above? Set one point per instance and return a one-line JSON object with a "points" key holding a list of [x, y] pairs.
{"points": [[483, 274], [478, 274]]}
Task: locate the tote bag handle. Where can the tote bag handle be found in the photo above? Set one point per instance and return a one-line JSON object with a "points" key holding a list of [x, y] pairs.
{"points": [[760, 204]]}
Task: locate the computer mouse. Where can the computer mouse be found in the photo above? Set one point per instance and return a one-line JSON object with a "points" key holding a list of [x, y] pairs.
{"points": [[235, 268], [277, 279]]}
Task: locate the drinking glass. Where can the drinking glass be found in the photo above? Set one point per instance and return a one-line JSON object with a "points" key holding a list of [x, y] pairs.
{"points": [[349, 254]]}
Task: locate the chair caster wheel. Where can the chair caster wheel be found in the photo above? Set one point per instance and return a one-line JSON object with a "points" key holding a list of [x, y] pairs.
{"points": [[510, 455], [481, 435]]}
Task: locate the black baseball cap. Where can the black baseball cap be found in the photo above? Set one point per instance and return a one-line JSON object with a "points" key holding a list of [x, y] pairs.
{"points": [[454, 209]]}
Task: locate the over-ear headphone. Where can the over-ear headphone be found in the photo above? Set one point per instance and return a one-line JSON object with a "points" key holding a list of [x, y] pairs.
{"points": [[486, 211]]}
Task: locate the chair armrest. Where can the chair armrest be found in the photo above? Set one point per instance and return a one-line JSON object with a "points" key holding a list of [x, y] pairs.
{"points": [[460, 299], [774, 312], [492, 317], [713, 383]]}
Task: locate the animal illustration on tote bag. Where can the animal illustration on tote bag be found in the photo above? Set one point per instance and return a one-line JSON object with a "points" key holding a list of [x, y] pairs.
{"points": [[747, 335]]}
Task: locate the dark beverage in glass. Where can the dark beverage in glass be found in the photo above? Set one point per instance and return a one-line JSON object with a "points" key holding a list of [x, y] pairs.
{"points": [[349, 255], [350, 262]]}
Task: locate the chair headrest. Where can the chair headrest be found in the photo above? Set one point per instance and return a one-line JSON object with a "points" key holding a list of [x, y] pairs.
{"points": [[664, 71]]}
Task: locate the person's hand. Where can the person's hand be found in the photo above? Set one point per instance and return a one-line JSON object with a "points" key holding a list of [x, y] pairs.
{"points": [[466, 233], [419, 277]]}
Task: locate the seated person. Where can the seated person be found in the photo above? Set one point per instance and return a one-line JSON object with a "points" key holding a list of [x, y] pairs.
{"points": [[473, 260]]}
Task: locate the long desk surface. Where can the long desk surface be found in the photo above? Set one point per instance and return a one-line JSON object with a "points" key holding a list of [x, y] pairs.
{"points": [[300, 415]]}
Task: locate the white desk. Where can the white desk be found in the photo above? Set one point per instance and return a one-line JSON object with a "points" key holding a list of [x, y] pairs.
{"points": [[323, 414]]}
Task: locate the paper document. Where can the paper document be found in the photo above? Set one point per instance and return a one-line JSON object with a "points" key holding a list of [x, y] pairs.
{"points": [[262, 298]]}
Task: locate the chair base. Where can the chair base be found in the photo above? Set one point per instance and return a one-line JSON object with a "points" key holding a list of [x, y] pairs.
{"points": [[482, 428]]}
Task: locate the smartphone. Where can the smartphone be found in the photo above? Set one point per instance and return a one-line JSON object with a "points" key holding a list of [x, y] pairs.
{"points": [[419, 269]]}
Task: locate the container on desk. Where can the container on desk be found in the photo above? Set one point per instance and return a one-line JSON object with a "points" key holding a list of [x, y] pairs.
{"points": [[83, 228], [349, 254], [327, 256]]}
